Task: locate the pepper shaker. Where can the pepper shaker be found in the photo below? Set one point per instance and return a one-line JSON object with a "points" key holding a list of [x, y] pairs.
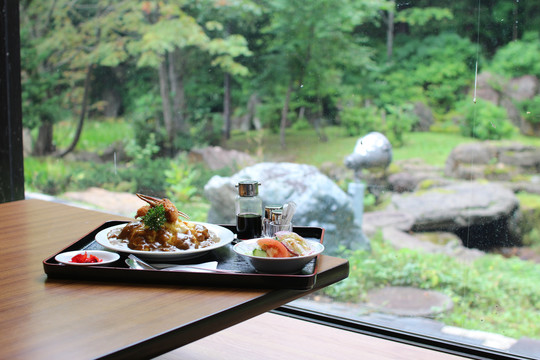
{"points": [[268, 212]]}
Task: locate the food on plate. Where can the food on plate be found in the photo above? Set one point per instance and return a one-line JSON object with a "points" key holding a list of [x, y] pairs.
{"points": [[272, 248], [296, 244], [285, 244], [159, 228], [85, 258]]}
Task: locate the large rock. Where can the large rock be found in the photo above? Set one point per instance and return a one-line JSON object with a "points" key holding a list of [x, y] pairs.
{"points": [[523, 88], [492, 160], [413, 172], [507, 93], [482, 215], [320, 201], [216, 158], [425, 117]]}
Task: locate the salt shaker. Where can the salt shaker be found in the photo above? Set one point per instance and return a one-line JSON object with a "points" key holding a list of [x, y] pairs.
{"points": [[268, 211], [248, 206]]}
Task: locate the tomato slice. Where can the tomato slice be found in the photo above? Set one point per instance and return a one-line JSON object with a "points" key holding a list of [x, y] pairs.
{"points": [[273, 248]]}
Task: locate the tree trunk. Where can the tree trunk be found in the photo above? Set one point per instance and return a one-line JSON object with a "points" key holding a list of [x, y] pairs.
{"points": [[165, 101], [390, 35], [227, 105], [176, 77], [44, 143], [284, 113], [84, 105], [319, 129], [515, 25]]}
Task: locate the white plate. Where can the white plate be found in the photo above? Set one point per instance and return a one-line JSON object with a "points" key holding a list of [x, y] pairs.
{"points": [[107, 257], [225, 237], [283, 265]]}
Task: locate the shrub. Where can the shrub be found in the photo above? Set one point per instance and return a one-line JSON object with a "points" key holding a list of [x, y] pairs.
{"points": [[359, 121], [517, 58], [399, 121], [485, 121], [435, 69], [531, 109], [180, 177], [146, 169], [46, 175]]}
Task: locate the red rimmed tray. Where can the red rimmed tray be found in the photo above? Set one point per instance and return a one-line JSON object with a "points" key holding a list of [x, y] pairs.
{"points": [[227, 259]]}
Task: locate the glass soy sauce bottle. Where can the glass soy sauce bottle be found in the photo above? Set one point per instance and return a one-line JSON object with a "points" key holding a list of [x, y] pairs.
{"points": [[248, 206]]}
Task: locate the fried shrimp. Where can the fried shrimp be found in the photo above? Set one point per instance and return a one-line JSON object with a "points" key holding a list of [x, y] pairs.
{"points": [[171, 212], [159, 228]]}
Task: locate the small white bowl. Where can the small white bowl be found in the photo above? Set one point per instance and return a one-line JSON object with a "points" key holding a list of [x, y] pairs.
{"points": [[282, 265], [107, 257]]}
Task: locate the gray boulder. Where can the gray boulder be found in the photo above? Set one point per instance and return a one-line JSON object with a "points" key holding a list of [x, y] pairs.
{"points": [[492, 160], [425, 117], [482, 215], [507, 93], [523, 87], [320, 202], [215, 157], [413, 172]]}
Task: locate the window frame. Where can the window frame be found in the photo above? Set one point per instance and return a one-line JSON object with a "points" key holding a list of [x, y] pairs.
{"points": [[397, 335], [11, 144]]}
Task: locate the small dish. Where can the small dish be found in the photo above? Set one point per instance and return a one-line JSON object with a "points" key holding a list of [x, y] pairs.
{"points": [[107, 257], [281, 265]]}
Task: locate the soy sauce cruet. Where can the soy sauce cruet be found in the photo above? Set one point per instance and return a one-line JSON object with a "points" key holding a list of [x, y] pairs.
{"points": [[248, 207]]}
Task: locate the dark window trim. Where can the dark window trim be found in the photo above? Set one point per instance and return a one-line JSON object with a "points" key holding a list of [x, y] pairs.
{"points": [[11, 148], [369, 329]]}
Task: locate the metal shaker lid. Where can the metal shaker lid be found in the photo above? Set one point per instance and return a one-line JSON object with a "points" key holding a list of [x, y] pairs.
{"points": [[248, 188], [269, 209], [276, 215]]}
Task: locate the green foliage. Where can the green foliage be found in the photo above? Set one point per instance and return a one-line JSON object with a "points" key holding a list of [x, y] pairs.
{"points": [[97, 134], [485, 121], [46, 175], [530, 219], [359, 121], [435, 69], [301, 124], [484, 299], [518, 58], [423, 16], [180, 177], [303, 60], [207, 129], [147, 170], [531, 109], [399, 121]]}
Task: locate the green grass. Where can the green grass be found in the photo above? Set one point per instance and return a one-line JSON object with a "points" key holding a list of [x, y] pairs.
{"points": [[306, 147], [96, 135], [303, 147]]}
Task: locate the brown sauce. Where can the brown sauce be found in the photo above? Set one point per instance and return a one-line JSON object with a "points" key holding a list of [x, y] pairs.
{"points": [[172, 237]]}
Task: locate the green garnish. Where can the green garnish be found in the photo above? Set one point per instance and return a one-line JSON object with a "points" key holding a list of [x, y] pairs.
{"points": [[155, 218]]}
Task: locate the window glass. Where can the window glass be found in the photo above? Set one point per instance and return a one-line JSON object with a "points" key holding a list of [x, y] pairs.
{"points": [[419, 121]]}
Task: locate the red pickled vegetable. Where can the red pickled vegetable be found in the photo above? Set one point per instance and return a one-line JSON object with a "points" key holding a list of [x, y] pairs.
{"points": [[85, 258], [273, 248]]}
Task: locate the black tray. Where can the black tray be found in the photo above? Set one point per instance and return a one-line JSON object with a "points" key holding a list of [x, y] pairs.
{"points": [[226, 257]]}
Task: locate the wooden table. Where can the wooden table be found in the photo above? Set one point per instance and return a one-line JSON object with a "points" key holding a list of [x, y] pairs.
{"points": [[54, 319]]}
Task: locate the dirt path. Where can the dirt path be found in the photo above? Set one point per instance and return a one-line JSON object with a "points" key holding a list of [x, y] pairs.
{"points": [[114, 202]]}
